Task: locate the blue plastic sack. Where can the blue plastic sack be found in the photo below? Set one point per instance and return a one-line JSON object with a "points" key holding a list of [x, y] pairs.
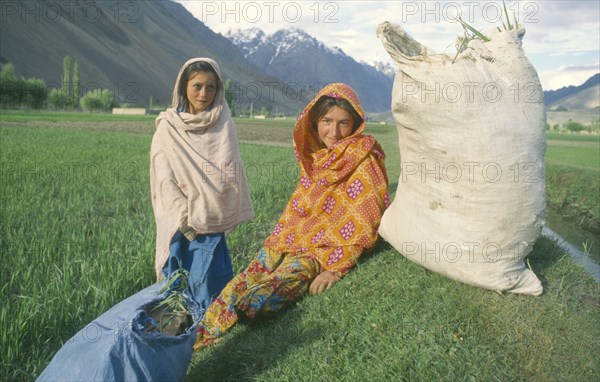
{"points": [[115, 346]]}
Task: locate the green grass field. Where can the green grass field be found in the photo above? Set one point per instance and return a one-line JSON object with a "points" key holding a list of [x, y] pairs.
{"points": [[573, 180], [77, 236], [574, 150]]}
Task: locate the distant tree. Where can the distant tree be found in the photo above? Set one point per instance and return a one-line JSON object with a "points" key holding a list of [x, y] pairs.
{"points": [[66, 79], [574, 126], [97, 100], [70, 82], [229, 96], [16, 92], [8, 71], [57, 99], [8, 86], [245, 112], [76, 84], [36, 93]]}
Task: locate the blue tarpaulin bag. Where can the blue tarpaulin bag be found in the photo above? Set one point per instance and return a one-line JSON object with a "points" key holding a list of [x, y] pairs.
{"points": [[123, 345], [117, 347]]}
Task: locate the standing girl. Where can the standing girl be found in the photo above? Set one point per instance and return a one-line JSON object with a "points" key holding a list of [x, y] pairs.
{"points": [[198, 187]]}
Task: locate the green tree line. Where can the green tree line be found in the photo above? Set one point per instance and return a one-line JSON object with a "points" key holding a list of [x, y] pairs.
{"points": [[33, 93], [16, 92]]}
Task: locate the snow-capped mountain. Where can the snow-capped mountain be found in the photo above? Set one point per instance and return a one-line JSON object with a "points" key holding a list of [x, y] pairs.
{"points": [[383, 67], [305, 64]]}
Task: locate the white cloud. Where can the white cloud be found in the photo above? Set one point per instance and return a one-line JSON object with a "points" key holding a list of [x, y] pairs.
{"points": [[559, 33]]}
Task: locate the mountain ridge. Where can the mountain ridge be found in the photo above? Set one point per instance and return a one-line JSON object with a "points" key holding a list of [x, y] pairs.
{"points": [[137, 55], [301, 59], [584, 96], [137, 48]]}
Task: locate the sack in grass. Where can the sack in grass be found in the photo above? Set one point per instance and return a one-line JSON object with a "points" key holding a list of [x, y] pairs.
{"points": [[146, 337], [471, 195]]}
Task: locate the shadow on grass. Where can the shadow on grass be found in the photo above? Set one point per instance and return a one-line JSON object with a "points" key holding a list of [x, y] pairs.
{"points": [[380, 247], [253, 347], [544, 254], [543, 258]]}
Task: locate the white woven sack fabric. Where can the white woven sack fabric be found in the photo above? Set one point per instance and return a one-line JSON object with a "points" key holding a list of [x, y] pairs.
{"points": [[471, 197]]}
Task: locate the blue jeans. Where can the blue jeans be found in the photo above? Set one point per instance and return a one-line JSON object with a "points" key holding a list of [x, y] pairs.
{"points": [[207, 260]]}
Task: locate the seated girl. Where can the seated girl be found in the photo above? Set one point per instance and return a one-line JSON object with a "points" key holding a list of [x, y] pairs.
{"points": [[330, 220]]}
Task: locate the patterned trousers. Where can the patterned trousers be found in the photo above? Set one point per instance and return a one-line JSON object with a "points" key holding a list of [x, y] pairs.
{"points": [[271, 282]]}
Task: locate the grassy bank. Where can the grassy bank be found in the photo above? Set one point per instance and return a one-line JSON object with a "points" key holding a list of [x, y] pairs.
{"points": [[573, 178], [77, 236], [390, 319]]}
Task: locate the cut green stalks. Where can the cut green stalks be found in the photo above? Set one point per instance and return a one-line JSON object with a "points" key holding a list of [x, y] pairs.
{"points": [[470, 33], [173, 305]]}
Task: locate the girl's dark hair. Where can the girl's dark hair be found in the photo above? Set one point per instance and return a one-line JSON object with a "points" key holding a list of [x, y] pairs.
{"points": [[325, 103], [195, 67]]}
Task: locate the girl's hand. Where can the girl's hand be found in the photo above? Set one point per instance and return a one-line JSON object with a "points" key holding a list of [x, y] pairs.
{"points": [[323, 281]]}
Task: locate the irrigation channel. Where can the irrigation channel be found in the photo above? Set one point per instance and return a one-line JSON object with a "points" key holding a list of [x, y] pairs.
{"points": [[581, 245]]}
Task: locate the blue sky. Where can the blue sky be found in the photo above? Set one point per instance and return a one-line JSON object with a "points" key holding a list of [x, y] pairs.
{"points": [[562, 37]]}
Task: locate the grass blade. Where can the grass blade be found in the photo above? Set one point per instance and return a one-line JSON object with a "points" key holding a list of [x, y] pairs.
{"points": [[474, 31], [507, 16]]}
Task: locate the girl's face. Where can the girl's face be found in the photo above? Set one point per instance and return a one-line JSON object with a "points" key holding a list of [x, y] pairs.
{"points": [[336, 124], [201, 91]]}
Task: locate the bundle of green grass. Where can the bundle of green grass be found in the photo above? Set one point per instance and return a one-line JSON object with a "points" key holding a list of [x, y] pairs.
{"points": [[171, 315], [470, 202]]}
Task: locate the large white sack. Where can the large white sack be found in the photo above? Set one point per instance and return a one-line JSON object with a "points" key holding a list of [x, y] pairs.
{"points": [[471, 195]]}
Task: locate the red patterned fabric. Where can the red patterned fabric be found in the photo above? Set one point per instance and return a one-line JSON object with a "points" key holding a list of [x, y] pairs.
{"points": [[335, 211]]}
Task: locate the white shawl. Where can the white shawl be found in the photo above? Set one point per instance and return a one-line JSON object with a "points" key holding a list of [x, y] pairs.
{"points": [[196, 173]]}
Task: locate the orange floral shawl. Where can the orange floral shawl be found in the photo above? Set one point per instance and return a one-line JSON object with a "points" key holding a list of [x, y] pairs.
{"points": [[335, 211]]}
